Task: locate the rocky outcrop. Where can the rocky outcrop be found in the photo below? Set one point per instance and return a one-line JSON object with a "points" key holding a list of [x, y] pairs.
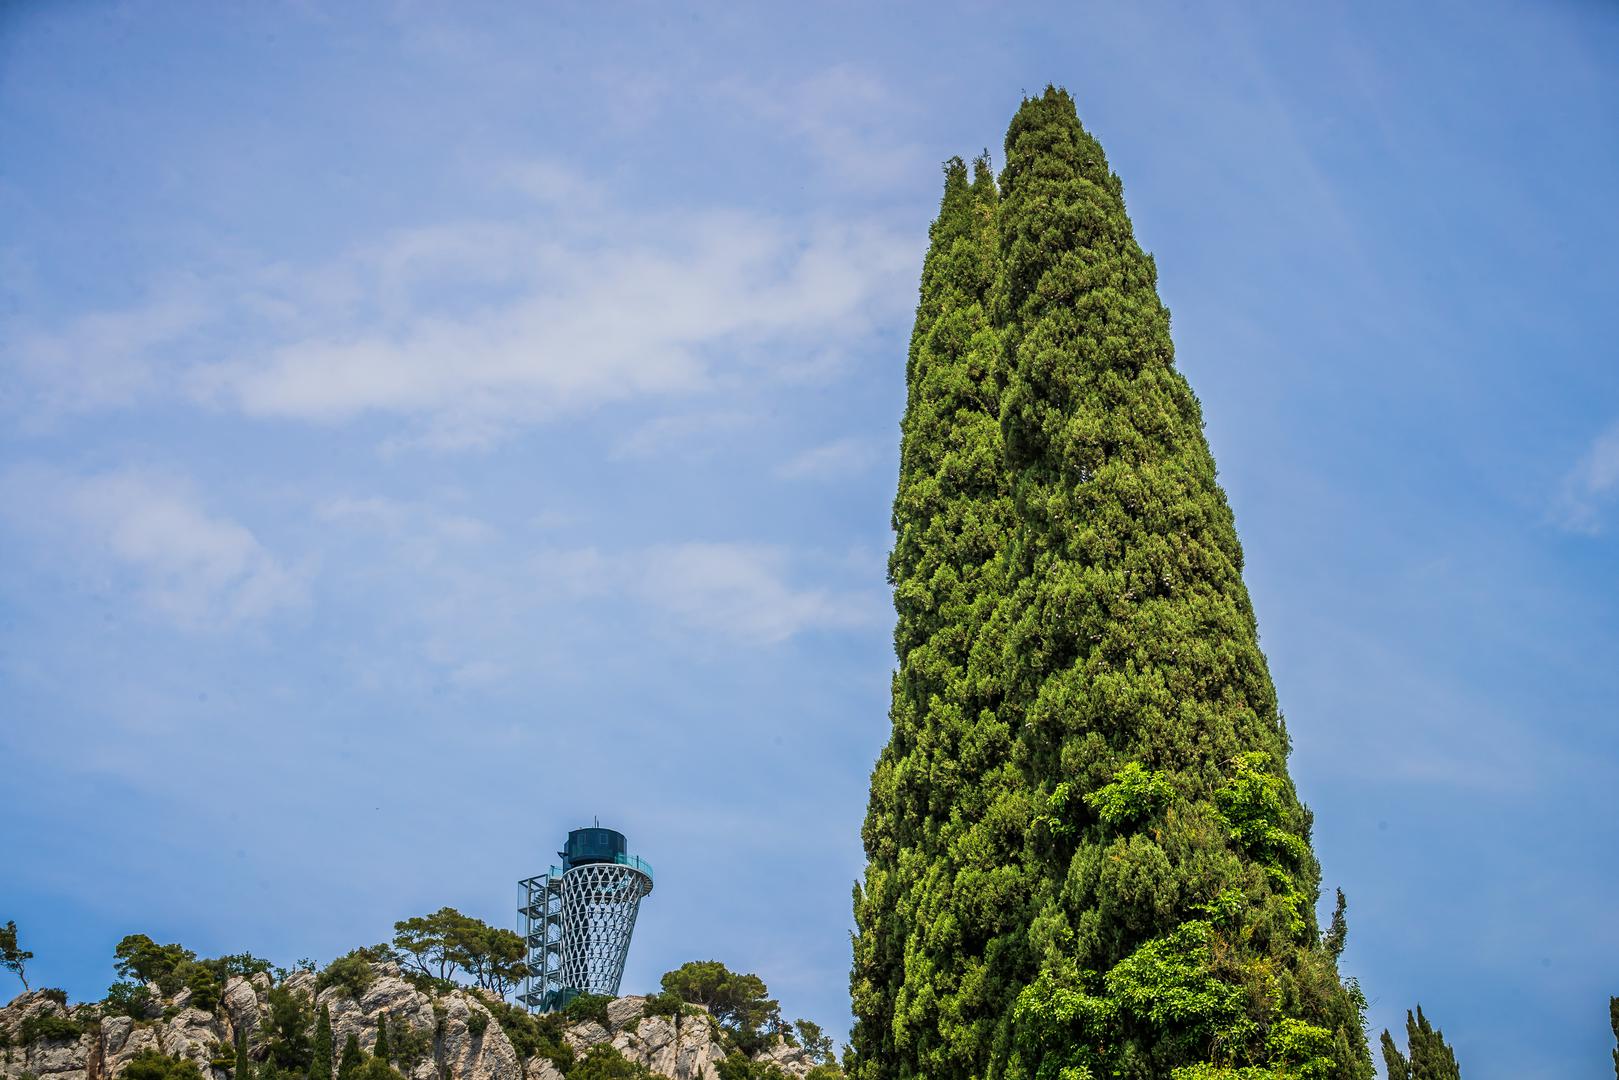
{"points": [[456, 1034]]}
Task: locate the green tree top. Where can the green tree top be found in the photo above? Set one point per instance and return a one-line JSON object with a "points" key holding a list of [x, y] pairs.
{"points": [[741, 1003], [1427, 1057]]}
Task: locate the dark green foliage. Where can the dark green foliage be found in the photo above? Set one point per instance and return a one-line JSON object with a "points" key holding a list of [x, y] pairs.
{"points": [[602, 1062], [287, 1045], [353, 1059], [380, 1049], [934, 914], [1427, 1057], [53, 993], [244, 964], [664, 1003], [1613, 1021], [320, 1066], [738, 1066], [154, 1065], [824, 1072], [375, 1068], [817, 1042], [407, 1045], [587, 1007], [532, 1035], [242, 1066], [440, 944], [351, 971], [1085, 857], [205, 986], [48, 1027], [13, 958], [144, 960], [477, 1024], [740, 1003]]}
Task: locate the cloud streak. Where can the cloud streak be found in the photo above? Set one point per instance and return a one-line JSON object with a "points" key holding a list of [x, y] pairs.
{"points": [[194, 567], [466, 331]]}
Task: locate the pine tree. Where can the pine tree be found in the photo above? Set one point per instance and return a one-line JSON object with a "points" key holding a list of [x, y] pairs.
{"points": [[380, 1050], [922, 917], [320, 1066], [352, 1061], [1085, 855], [1430, 1057]]}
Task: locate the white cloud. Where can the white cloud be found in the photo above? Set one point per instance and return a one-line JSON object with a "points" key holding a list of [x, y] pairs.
{"points": [[104, 359], [1590, 484], [196, 568], [841, 457], [850, 119], [743, 592], [687, 434], [465, 331]]}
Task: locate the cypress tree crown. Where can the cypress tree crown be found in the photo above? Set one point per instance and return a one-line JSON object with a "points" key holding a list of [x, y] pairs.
{"points": [[1085, 855]]}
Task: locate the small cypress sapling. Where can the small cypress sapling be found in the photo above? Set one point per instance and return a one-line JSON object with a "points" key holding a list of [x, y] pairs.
{"points": [[348, 1067], [380, 1051], [320, 1065], [243, 1069]]}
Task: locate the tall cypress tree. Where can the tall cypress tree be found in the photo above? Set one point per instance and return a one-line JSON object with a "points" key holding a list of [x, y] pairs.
{"points": [[924, 915], [352, 1061], [1085, 855], [243, 1069], [320, 1065], [1174, 885], [1427, 1057], [380, 1050]]}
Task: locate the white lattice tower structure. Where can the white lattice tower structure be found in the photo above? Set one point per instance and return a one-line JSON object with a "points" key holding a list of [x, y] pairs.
{"points": [[599, 905], [578, 918]]}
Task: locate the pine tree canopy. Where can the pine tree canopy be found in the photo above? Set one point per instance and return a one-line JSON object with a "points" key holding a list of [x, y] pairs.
{"points": [[1085, 856]]}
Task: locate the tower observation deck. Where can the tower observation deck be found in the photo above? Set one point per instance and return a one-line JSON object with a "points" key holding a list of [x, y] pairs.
{"points": [[578, 918]]}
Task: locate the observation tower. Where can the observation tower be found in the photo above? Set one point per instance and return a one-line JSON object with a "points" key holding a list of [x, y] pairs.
{"points": [[578, 918]]}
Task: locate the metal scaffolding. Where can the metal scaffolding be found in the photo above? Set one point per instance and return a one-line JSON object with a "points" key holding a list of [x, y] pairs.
{"points": [[578, 918]]}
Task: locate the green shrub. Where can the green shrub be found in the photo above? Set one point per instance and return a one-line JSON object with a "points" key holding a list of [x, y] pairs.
{"points": [[130, 999], [48, 1027], [206, 987], [477, 1023], [603, 1062], [53, 993], [824, 1072], [407, 1044], [587, 1007], [664, 1003], [144, 960], [153, 1065], [533, 1036], [738, 1066], [351, 972]]}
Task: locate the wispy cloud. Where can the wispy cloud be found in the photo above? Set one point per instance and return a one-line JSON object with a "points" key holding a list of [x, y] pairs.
{"points": [[1590, 485], [465, 331], [850, 118], [840, 457], [197, 568], [744, 591]]}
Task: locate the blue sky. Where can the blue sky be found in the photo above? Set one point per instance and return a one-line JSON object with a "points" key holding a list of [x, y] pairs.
{"points": [[425, 427]]}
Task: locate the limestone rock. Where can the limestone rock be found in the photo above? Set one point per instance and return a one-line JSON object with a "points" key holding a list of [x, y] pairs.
{"points": [[440, 1023]]}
